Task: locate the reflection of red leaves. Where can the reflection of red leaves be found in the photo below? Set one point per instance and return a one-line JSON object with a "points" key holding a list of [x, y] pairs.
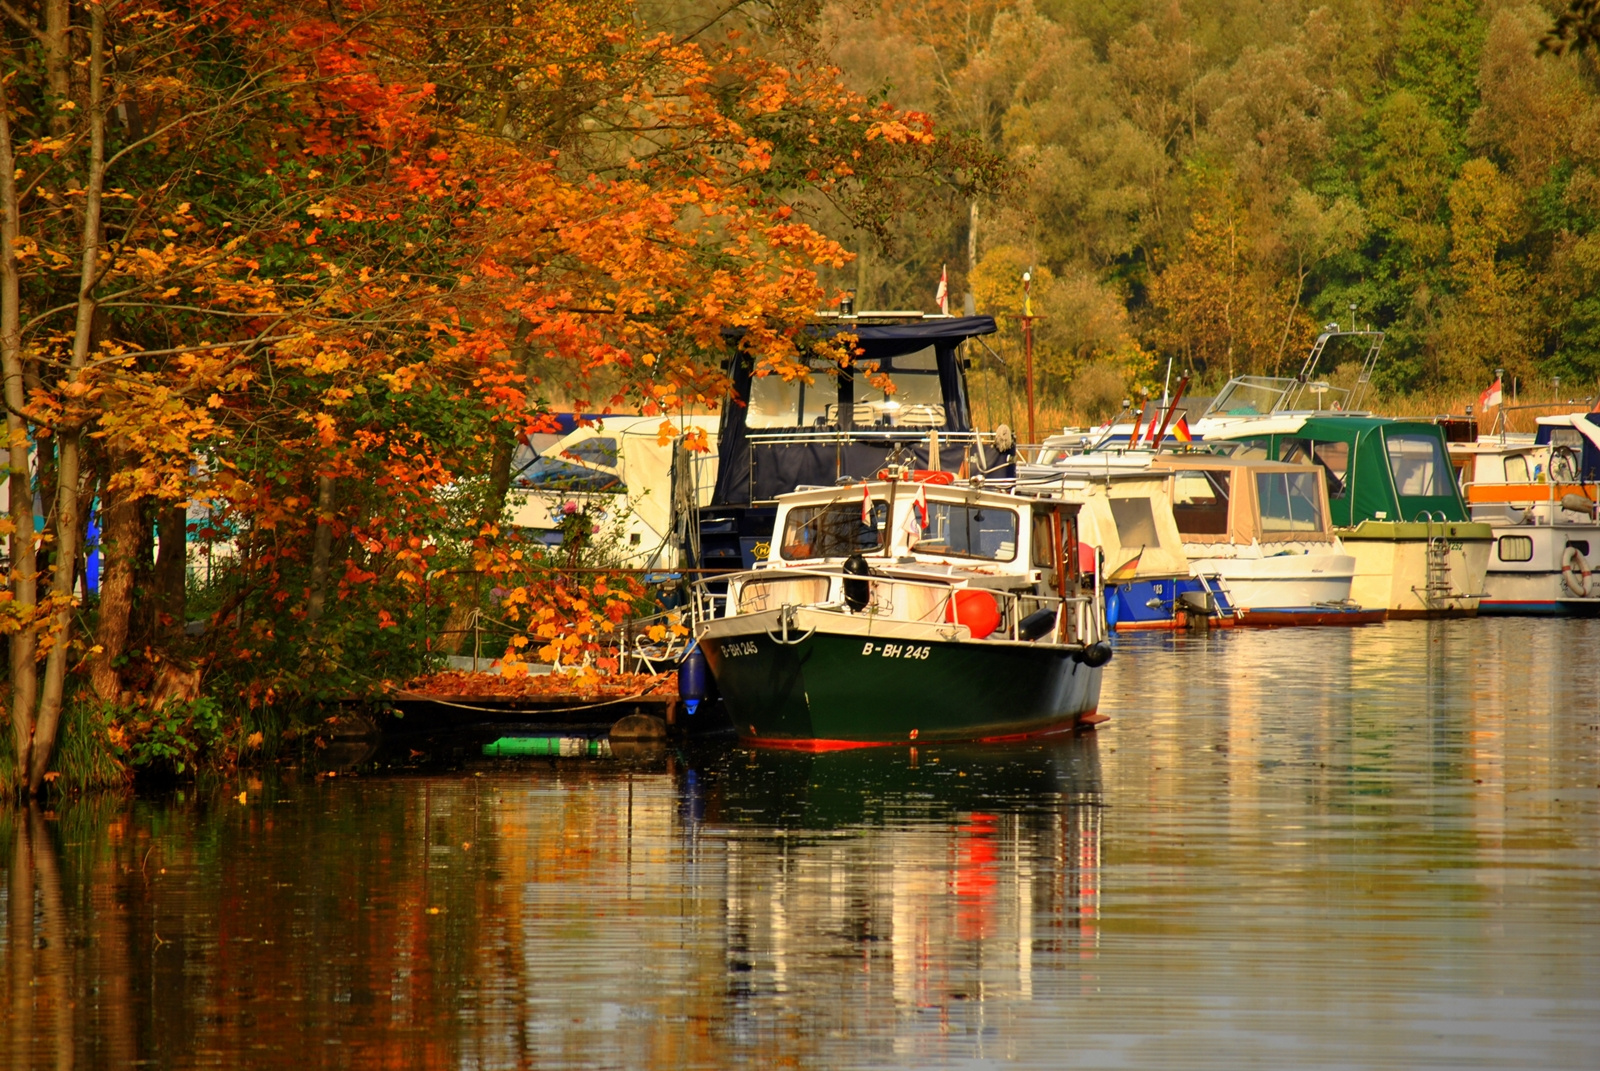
{"points": [[461, 685]]}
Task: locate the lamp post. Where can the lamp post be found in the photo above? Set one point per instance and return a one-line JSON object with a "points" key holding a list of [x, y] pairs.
{"points": [[1027, 345]]}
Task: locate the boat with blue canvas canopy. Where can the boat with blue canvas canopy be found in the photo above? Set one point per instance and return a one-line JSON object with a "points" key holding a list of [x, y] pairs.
{"points": [[777, 435]]}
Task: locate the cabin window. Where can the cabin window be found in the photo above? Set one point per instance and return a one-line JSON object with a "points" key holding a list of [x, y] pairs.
{"points": [[1566, 437], [1043, 542], [1253, 449], [1289, 501], [918, 398], [779, 403], [832, 531], [1136, 525], [1516, 472], [1419, 465], [969, 532], [1334, 457], [1200, 502], [1515, 548]]}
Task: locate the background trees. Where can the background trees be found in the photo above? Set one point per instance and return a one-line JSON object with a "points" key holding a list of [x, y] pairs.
{"points": [[1233, 174]]}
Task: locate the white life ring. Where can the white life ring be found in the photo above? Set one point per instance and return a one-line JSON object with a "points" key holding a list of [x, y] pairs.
{"points": [[1575, 573]]}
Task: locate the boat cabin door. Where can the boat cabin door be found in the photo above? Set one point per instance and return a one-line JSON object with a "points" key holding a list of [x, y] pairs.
{"points": [[1055, 552]]}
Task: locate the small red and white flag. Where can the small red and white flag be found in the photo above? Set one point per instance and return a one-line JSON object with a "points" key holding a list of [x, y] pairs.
{"points": [[942, 295], [866, 507], [1492, 396], [917, 516]]}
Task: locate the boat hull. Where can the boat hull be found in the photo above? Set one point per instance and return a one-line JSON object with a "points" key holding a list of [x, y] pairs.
{"points": [[1525, 571], [1136, 605], [1281, 583], [852, 681], [1392, 567]]}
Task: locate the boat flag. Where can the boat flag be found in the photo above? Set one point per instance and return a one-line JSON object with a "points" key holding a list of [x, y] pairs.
{"points": [[866, 507], [1181, 432], [1492, 396], [917, 516], [942, 295], [1126, 570]]}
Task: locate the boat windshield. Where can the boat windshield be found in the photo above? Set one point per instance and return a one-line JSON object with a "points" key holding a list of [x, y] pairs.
{"points": [[1418, 464], [1250, 396], [918, 398], [969, 532], [779, 403], [1289, 501], [833, 530]]}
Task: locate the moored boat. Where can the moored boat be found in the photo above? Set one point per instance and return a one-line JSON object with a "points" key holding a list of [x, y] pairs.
{"points": [[1262, 530], [897, 612], [1394, 504], [1538, 495]]}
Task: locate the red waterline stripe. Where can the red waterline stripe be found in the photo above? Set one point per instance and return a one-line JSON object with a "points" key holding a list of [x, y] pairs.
{"points": [[1088, 719]]}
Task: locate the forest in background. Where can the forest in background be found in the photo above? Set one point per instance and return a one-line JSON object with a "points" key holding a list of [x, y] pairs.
{"points": [[1209, 181]]}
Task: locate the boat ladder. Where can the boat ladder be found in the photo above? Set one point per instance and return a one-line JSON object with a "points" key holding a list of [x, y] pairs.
{"points": [[1438, 588]]}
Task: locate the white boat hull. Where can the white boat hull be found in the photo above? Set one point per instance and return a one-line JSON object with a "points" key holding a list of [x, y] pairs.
{"points": [[1392, 568], [1282, 582], [1539, 584]]}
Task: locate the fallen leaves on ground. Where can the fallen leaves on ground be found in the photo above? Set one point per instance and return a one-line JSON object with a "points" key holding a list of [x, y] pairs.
{"points": [[458, 684]]}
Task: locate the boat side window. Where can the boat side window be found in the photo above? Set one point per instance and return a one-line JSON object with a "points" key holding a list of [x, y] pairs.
{"points": [[1334, 457], [1136, 524], [1579, 545], [542, 473], [1566, 437], [1516, 472], [918, 398], [600, 450], [1200, 502], [969, 532], [1515, 548], [1289, 501], [832, 531], [1418, 465]]}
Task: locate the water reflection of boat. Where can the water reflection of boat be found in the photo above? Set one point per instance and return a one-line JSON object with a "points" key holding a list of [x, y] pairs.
{"points": [[885, 786], [940, 880], [899, 612]]}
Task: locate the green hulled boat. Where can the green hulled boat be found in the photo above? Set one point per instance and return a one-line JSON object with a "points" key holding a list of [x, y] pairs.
{"points": [[904, 612]]}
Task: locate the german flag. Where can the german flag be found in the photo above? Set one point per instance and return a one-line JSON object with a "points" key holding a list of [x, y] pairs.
{"points": [[1180, 430]]}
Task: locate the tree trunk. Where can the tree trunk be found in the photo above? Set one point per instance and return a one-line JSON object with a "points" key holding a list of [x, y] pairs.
{"points": [[119, 546], [494, 505], [321, 549], [172, 569], [66, 519], [23, 544]]}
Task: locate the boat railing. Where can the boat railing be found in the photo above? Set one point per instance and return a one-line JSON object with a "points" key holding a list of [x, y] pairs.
{"points": [[1078, 617]]}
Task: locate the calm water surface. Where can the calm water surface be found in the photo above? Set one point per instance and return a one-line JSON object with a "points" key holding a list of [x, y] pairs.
{"points": [[1365, 848]]}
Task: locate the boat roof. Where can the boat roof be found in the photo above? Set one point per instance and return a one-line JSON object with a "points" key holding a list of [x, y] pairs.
{"points": [[1214, 462]]}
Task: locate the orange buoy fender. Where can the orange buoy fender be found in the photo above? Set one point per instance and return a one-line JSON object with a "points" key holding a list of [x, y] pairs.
{"points": [[974, 609]]}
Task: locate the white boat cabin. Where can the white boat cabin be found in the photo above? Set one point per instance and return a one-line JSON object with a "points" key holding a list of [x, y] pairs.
{"points": [[983, 560]]}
